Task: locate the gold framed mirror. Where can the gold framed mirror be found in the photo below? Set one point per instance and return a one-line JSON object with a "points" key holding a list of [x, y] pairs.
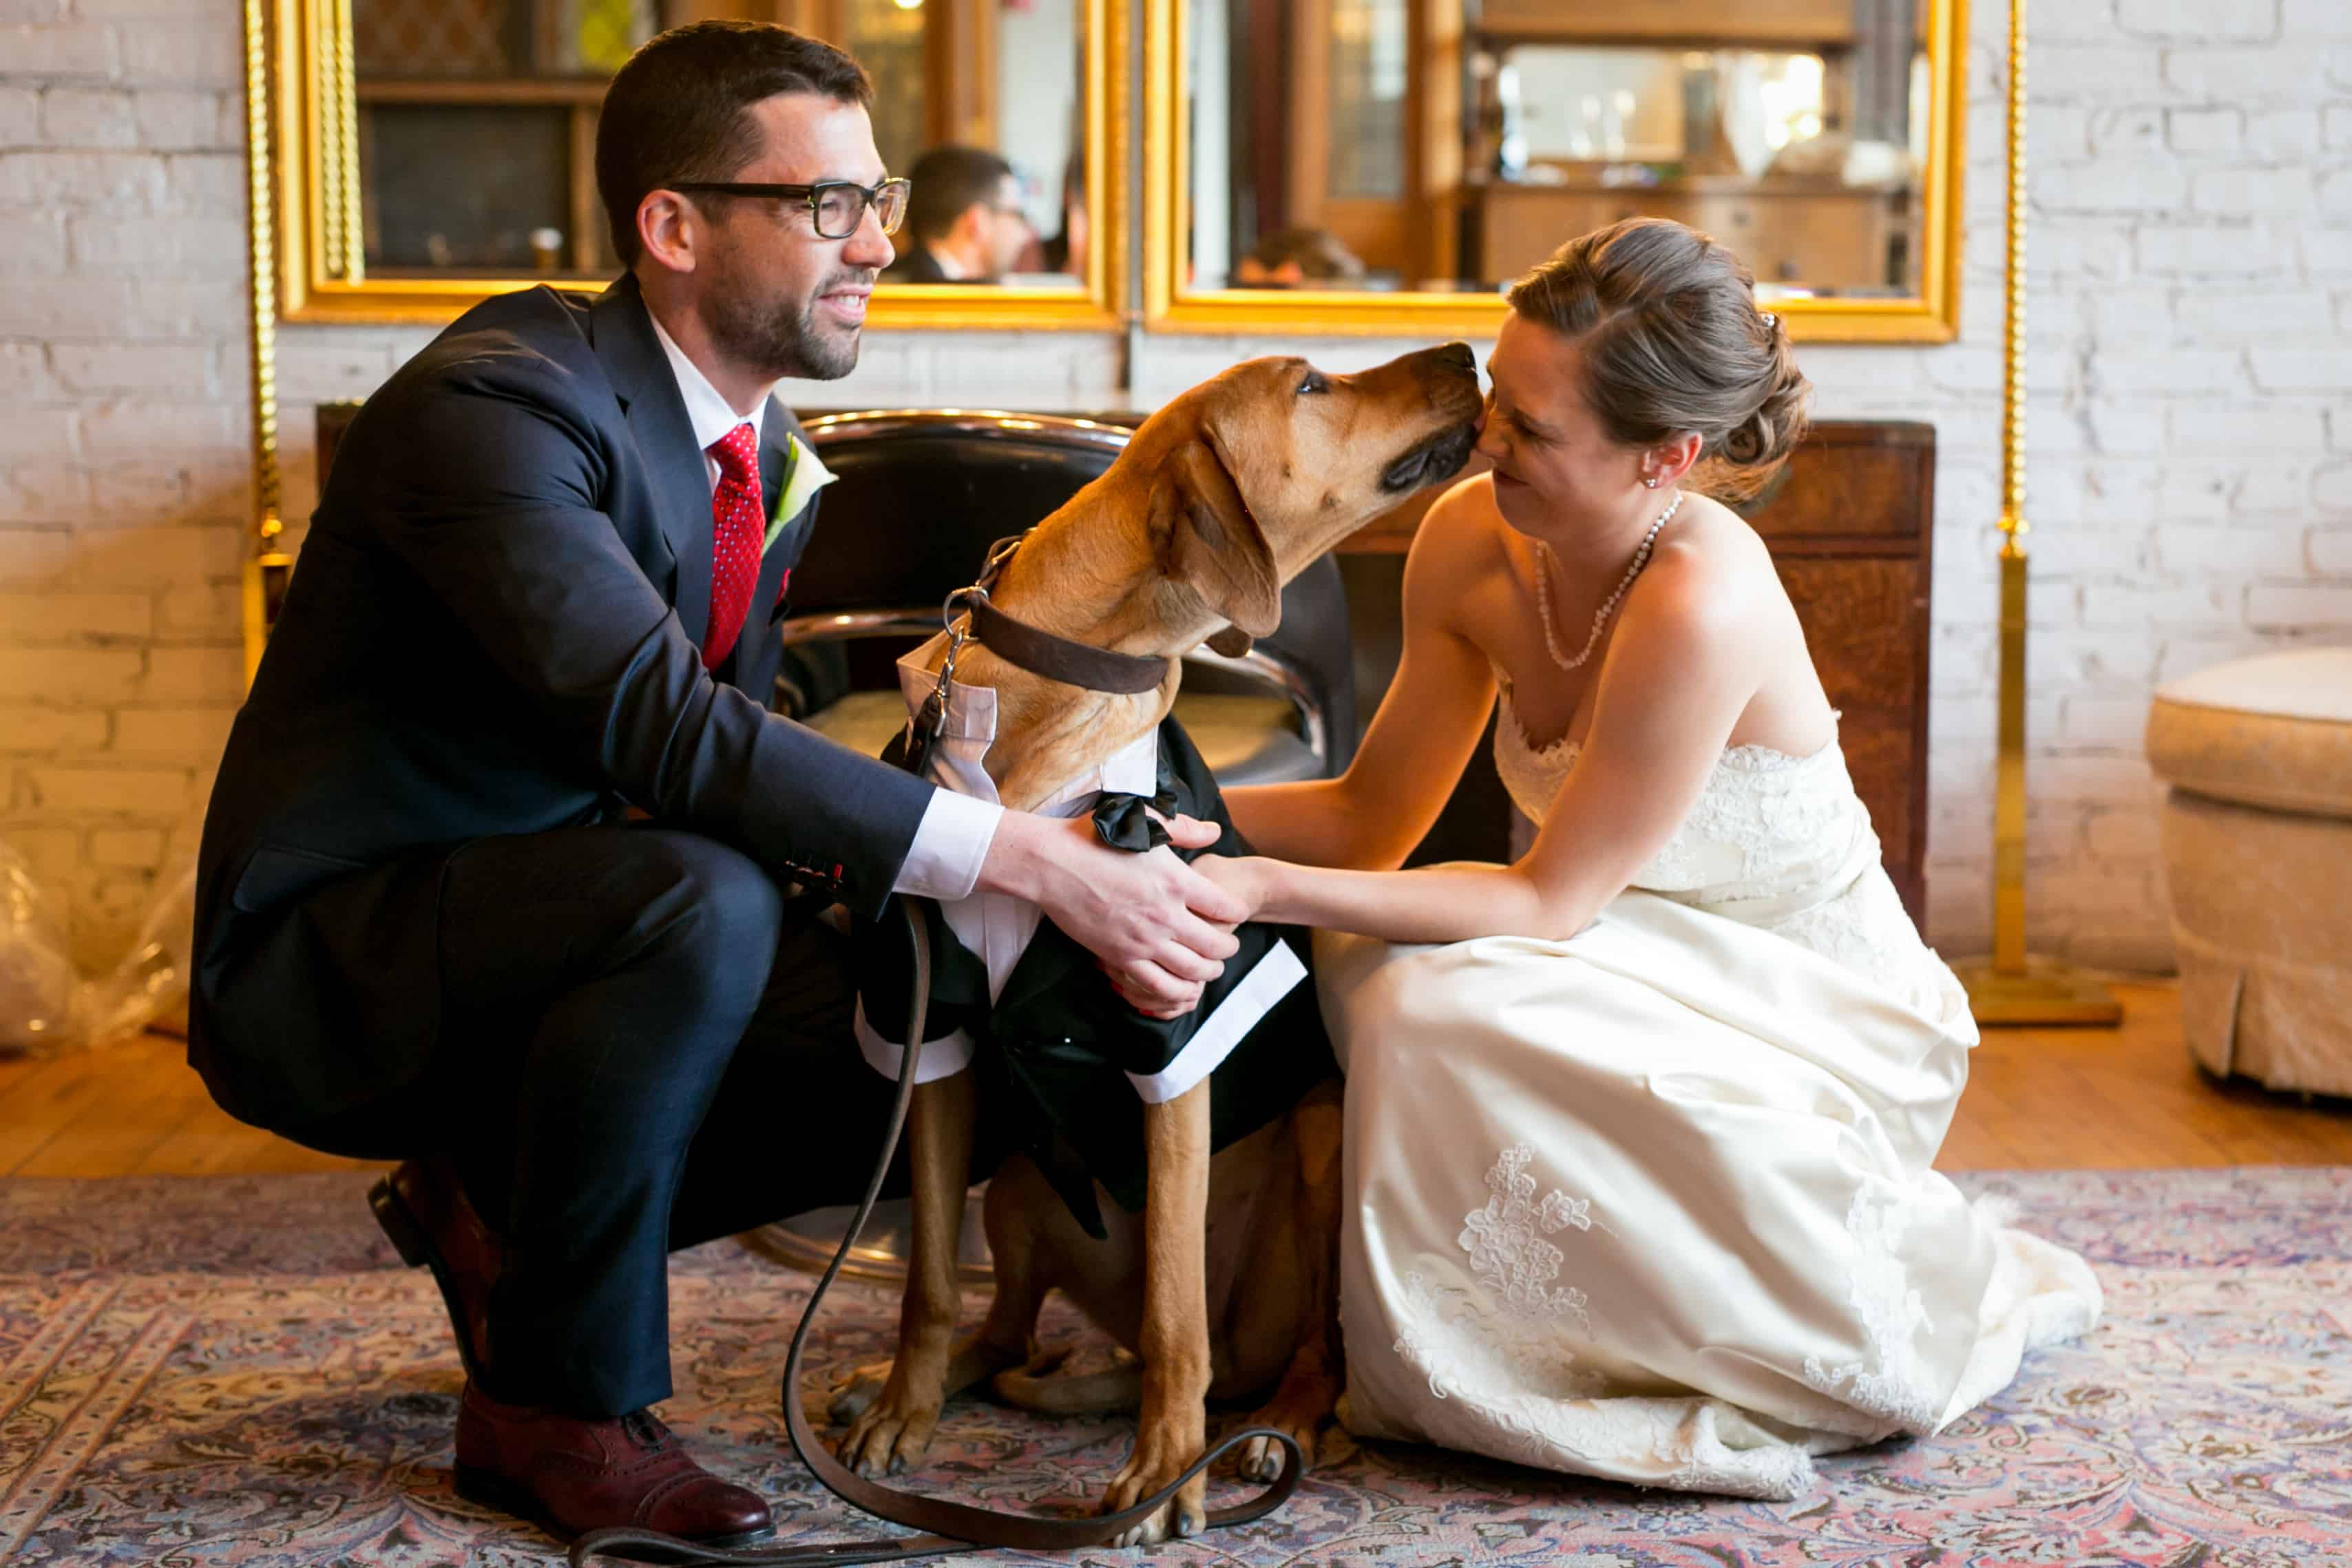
{"points": [[428, 153], [1387, 166]]}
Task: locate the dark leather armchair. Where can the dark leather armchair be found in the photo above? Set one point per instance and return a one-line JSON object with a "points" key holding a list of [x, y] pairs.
{"points": [[919, 498]]}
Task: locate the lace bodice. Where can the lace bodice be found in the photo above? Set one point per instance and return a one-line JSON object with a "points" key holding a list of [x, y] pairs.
{"points": [[1774, 841]]}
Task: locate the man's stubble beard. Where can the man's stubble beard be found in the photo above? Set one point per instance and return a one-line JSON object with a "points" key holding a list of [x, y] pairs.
{"points": [[779, 343]]}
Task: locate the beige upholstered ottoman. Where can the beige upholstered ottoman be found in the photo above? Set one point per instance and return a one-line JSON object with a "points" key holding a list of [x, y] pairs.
{"points": [[2257, 834]]}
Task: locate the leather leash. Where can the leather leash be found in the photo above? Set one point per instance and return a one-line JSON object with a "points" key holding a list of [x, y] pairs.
{"points": [[949, 1526]]}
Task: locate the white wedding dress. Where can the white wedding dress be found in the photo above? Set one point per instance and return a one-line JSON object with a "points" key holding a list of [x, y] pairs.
{"points": [[1656, 1203]]}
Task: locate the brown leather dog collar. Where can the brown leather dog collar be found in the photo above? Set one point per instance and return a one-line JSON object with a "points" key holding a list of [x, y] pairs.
{"points": [[1060, 659]]}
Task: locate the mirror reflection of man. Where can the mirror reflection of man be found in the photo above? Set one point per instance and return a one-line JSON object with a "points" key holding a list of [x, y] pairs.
{"points": [[1300, 258], [540, 589], [965, 219]]}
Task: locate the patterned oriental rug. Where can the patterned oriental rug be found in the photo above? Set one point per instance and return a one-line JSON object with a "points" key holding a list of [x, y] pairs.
{"points": [[237, 1371]]}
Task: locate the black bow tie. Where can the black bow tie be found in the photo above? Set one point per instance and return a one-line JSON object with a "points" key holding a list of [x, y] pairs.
{"points": [[1125, 821]]}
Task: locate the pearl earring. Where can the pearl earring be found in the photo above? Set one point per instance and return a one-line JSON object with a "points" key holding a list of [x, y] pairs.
{"points": [[1652, 481]]}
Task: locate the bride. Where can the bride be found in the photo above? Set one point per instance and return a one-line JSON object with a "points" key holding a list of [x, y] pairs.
{"points": [[1639, 1127]]}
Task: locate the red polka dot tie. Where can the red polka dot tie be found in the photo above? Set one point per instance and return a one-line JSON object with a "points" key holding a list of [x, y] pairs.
{"points": [[737, 527]]}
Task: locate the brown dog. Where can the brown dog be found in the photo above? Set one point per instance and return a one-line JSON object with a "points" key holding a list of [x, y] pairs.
{"points": [[1221, 497]]}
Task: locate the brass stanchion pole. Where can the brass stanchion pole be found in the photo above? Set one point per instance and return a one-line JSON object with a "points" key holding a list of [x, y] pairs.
{"points": [[2011, 988], [268, 566]]}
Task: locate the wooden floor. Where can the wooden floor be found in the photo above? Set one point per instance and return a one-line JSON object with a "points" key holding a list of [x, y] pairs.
{"points": [[2037, 1099]]}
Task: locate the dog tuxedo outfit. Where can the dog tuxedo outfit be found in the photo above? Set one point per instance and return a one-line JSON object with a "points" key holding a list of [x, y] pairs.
{"points": [[1064, 1064]]}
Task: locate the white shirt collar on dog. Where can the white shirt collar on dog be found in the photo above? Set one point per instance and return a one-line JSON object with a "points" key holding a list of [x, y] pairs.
{"points": [[962, 754]]}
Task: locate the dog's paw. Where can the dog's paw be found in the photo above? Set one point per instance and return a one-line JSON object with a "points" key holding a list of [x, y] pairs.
{"points": [[1018, 1385], [1299, 1408], [1157, 1460], [854, 1391], [1260, 1458], [892, 1433]]}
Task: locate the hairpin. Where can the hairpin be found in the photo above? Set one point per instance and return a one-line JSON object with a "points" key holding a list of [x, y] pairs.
{"points": [[1771, 321]]}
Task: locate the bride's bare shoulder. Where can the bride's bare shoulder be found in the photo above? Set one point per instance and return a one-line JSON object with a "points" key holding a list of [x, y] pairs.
{"points": [[1461, 538], [1711, 575]]}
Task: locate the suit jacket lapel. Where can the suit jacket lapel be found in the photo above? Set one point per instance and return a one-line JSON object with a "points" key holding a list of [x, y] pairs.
{"points": [[642, 379]]}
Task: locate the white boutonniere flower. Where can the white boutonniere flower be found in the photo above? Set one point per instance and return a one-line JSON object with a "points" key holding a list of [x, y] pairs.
{"points": [[805, 475]]}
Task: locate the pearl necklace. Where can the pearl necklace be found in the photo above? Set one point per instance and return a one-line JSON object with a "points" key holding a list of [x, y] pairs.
{"points": [[1544, 563]]}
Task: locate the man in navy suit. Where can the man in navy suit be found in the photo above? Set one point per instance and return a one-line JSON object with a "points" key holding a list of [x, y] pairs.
{"points": [[540, 591]]}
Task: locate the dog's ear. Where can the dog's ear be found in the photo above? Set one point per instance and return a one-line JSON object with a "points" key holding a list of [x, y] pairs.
{"points": [[1211, 542]]}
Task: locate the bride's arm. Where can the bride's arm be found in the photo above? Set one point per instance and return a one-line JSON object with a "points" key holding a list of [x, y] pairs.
{"points": [[1678, 675], [1420, 739]]}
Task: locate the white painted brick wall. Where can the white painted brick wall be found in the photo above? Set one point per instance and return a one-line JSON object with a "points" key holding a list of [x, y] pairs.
{"points": [[2207, 372], [2189, 424], [123, 476]]}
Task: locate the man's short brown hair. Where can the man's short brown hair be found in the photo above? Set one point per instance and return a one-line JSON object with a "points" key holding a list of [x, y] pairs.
{"points": [[680, 108], [950, 181]]}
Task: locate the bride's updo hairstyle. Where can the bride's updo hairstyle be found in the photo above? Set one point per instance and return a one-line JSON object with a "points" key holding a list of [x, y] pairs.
{"points": [[1673, 341]]}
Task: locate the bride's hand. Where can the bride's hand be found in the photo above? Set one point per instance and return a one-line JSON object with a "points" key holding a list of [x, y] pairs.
{"points": [[1242, 876]]}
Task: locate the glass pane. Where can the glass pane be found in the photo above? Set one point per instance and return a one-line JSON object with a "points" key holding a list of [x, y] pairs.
{"points": [[597, 37], [506, 214], [1796, 134], [888, 39], [1367, 82], [997, 157], [427, 39], [478, 119]]}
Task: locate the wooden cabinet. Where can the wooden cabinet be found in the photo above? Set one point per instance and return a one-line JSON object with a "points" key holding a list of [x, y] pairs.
{"points": [[1851, 526]]}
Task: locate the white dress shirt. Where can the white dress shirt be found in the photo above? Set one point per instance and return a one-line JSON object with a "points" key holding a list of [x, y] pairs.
{"points": [[952, 839], [997, 928]]}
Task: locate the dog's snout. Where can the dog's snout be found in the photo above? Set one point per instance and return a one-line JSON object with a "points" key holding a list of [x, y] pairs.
{"points": [[1457, 356]]}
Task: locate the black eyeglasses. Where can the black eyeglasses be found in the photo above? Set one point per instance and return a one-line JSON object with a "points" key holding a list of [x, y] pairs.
{"points": [[836, 206]]}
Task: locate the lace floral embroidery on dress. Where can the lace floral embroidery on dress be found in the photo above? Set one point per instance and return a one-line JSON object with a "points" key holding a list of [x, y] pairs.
{"points": [[1773, 817], [1513, 1347], [1892, 1381], [1766, 823], [1868, 930], [1510, 1260], [1523, 1395], [1518, 1336], [1775, 811]]}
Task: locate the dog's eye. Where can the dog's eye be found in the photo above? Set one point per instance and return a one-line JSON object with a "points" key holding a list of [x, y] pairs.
{"points": [[1315, 383]]}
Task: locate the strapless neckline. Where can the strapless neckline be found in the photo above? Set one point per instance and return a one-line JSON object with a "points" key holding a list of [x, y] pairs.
{"points": [[1561, 754]]}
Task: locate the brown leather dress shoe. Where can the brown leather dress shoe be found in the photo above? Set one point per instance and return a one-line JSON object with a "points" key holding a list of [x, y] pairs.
{"points": [[572, 1476], [425, 1213]]}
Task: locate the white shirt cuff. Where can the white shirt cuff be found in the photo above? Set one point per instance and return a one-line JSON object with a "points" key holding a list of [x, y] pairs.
{"points": [[951, 841]]}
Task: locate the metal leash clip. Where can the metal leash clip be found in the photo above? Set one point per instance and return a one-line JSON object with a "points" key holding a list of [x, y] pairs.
{"points": [[929, 722]]}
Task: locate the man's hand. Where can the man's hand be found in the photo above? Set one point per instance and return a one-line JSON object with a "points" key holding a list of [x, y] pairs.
{"points": [[1240, 877], [1159, 928]]}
